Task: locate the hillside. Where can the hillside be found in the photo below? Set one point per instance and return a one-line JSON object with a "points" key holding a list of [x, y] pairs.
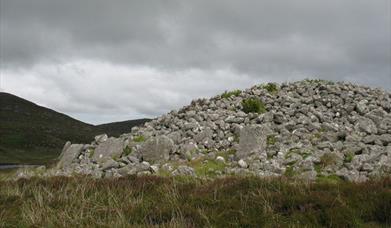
{"points": [[33, 134], [117, 128], [308, 129]]}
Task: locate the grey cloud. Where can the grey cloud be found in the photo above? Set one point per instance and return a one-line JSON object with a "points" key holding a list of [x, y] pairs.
{"points": [[254, 40], [115, 92]]}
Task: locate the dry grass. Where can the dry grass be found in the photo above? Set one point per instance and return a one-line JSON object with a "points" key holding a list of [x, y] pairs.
{"points": [[187, 202]]}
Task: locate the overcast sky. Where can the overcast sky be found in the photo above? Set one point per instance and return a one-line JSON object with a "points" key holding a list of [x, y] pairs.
{"points": [[102, 61]]}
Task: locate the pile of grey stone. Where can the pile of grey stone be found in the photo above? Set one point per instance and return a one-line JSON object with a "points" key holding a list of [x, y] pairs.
{"points": [[310, 129]]}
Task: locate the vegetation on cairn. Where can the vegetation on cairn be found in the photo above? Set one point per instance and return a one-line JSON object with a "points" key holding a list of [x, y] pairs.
{"points": [[127, 151], [228, 94], [271, 87], [349, 157], [207, 168], [271, 140], [189, 202], [139, 138], [253, 105]]}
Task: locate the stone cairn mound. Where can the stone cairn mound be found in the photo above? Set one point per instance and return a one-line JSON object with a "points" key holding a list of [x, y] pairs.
{"points": [[308, 129]]}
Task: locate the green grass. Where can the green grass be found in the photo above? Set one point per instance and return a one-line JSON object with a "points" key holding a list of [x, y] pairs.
{"points": [[253, 105], [333, 179], [226, 153], [349, 157], [92, 152], [318, 168], [139, 138], [207, 168], [6, 174], [290, 172], [328, 159], [271, 88], [271, 140], [188, 202], [127, 151], [228, 94], [304, 153]]}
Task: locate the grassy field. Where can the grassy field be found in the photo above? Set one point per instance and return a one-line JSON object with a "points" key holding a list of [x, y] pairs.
{"points": [[187, 202]]}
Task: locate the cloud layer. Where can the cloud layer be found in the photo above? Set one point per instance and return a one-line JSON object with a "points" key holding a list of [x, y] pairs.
{"points": [[104, 60]]}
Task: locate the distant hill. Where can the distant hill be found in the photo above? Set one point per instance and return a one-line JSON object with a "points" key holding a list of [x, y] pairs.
{"points": [[30, 133], [117, 128]]}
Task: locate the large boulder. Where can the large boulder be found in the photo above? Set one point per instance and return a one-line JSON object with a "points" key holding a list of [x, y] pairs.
{"points": [[101, 138], [156, 148], [183, 170], [252, 140], [204, 136], [366, 125], [69, 153], [109, 149]]}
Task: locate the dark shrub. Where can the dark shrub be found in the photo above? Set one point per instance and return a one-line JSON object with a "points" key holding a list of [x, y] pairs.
{"points": [[253, 105]]}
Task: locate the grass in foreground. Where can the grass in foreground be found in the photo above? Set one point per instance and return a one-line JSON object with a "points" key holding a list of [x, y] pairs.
{"points": [[187, 202]]}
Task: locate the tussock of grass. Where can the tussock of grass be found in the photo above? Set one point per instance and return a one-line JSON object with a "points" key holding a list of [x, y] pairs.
{"points": [[333, 179], [271, 140], [349, 157], [229, 94], [92, 152], [188, 202], [253, 105], [127, 151], [139, 138], [226, 153], [290, 172], [328, 159], [271, 88], [208, 168]]}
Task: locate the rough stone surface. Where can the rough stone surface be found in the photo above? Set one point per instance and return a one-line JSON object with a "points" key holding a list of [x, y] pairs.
{"points": [[157, 148], [109, 149], [184, 171], [220, 159], [309, 129], [252, 140], [101, 138], [242, 163], [109, 164], [367, 125], [69, 154]]}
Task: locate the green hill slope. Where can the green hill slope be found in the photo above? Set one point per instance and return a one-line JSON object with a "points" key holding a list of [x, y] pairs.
{"points": [[33, 134], [117, 128]]}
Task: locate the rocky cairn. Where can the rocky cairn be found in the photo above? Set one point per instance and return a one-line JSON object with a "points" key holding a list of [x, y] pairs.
{"points": [[308, 129]]}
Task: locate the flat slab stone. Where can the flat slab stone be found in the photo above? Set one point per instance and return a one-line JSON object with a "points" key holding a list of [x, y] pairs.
{"points": [[252, 140], [157, 148], [70, 152], [109, 149]]}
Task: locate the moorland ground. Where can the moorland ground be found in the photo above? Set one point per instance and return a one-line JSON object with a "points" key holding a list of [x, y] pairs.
{"points": [[192, 202]]}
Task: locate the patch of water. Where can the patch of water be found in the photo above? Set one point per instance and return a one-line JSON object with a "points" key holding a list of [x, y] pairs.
{"points": [[16, 166]]}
